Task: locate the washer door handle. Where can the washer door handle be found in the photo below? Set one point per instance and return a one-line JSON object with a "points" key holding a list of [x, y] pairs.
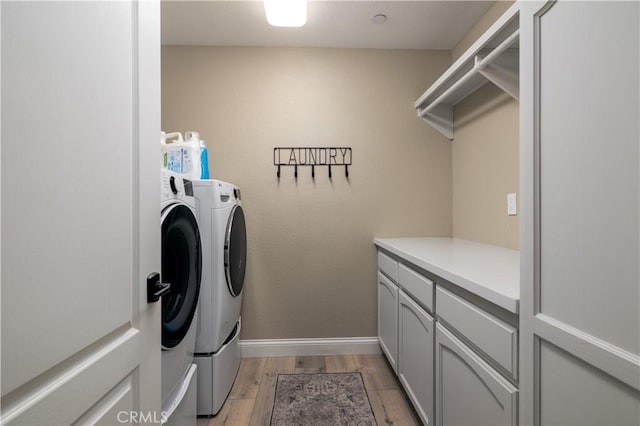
{"points": [[172, 184], [155, 288]]}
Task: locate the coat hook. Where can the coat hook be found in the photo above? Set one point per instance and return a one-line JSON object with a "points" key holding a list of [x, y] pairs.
{"points": [[329, 171], [313, 171], [346, 170], [295, 171], [278, 171]]}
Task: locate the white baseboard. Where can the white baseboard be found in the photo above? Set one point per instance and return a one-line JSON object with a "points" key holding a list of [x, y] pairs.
{"points": [[309, 347]]}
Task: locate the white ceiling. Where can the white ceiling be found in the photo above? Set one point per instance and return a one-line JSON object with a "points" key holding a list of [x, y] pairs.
{"points": [[343, 24]]}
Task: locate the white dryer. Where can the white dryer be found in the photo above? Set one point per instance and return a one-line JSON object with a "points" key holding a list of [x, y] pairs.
{"points": [[182, 268], [224, 254]]}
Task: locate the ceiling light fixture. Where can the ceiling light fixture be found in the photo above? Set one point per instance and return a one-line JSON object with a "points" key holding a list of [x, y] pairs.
{"points": [[286, 13]]}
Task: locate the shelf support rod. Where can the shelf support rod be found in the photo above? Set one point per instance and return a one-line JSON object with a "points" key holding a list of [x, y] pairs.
{"points": [[468, 76], [507, 43]]}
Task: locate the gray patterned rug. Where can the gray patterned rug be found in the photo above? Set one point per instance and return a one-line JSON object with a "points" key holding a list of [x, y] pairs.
{"points": [[321, 399]]}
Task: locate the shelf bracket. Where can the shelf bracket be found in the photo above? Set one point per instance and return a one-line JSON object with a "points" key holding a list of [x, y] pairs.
{"points": [[503, 71], [440, 117]]}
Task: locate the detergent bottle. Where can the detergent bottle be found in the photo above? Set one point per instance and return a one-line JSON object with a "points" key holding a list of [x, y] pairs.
{"points": [[204, 160], [180, 156]]}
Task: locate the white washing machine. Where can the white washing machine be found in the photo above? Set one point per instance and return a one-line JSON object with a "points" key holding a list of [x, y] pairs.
{"points": [[182, 268], [224, 254]]}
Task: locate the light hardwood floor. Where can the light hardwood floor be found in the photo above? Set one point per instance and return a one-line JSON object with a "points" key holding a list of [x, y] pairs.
{"points": [[251, 399]]}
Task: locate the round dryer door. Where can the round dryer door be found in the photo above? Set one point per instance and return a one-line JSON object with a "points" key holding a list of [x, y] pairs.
{"points": [[181, 266], [235, 251]]}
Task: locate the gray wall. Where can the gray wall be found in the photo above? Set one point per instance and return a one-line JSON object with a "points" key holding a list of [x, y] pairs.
{"points": [[311, 264], [485, 162], [498, 8], [485, 167]]}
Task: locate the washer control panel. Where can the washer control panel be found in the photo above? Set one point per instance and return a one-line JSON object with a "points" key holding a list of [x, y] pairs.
{"points": [[172, 186]]}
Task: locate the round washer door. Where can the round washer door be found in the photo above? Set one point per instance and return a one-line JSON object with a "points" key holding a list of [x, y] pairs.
{"points": [[235, 251], [182, 267]]}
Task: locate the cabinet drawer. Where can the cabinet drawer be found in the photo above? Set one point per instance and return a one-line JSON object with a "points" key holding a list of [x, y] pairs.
{"points": [[493, 336], [421, 288], [387, 265]]}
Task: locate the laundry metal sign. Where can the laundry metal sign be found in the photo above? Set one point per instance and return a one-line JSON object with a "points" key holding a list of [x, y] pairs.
{"points": [[331, 156]]}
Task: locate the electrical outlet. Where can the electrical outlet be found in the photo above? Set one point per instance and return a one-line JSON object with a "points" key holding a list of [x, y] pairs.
{"points": [[512, 209]]}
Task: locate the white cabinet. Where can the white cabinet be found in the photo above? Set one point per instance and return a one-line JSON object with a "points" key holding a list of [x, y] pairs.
{"points": [[415, 355], [405, 331], [580, 321], [468, 390], [388, 319], [455, 351]]}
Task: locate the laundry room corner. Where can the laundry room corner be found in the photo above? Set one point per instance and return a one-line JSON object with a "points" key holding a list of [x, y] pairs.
{"points": [[310, 262]]}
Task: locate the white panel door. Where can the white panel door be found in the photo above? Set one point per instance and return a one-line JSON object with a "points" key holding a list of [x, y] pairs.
{"points": [[580, 236], [80, 212]]}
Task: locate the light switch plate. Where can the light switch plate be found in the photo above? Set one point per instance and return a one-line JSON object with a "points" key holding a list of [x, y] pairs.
{"points": [[512, 210]]}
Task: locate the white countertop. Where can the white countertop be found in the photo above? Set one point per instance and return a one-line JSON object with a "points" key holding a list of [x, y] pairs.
{"points": [[490, 272]]}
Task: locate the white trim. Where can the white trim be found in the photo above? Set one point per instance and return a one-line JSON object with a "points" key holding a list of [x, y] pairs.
{"points": [[308, 347]]}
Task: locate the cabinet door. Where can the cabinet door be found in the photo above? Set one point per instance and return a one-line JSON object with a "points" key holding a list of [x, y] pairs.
{"points": [[415, 355], [388, 319], [468, 390], [580, 318]]}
